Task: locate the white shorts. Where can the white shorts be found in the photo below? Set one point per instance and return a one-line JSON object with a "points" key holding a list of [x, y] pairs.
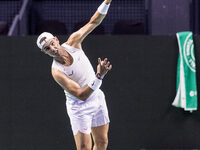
{"points": [[87, 114]]}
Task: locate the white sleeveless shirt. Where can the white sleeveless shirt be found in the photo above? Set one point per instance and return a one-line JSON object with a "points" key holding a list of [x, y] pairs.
{"points": [[80, 71]]}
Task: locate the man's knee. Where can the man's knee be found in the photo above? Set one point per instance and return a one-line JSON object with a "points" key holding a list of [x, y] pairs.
{"points": [[102, 142]]}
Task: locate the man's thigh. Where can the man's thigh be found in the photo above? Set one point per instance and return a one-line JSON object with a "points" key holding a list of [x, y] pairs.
{"points": [[100, 133]]}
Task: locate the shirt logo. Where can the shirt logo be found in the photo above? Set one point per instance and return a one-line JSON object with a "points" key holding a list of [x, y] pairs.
{"points": [[93, 83], [71, 73]]}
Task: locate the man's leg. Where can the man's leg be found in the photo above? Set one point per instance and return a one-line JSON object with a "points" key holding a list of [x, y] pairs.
{"points": [[100, 137], [83, 141]]}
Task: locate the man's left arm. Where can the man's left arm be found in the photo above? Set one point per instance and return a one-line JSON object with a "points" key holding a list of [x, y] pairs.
{"points": [[77, 37]]}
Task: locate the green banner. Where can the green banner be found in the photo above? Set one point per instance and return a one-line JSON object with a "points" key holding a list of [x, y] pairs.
{"points": [[186, 96]]}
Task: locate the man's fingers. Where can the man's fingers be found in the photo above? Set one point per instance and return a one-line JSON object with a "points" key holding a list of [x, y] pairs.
{"points": [[105, 61], [99, 60], [108, 63], [105, 64], [110, 67]]}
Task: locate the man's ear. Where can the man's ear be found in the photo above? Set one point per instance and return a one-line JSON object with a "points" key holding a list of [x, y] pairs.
{"points": [[43, 51]]}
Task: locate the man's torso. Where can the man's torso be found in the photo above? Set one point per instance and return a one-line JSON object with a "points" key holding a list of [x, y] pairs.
{"points": [[80, 71]]}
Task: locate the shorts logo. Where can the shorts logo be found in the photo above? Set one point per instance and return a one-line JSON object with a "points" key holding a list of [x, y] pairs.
{"points": [[85, 128], [188, 51]]}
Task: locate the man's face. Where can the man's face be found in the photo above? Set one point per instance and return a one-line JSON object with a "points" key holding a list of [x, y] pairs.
{"points": [[51, 47]]}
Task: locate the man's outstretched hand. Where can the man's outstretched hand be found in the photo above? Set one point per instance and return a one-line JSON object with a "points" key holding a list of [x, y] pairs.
{"points": [[103, 66]]}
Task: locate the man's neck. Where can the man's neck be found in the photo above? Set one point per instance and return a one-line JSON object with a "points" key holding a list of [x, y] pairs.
{"points": [[65, 58]]}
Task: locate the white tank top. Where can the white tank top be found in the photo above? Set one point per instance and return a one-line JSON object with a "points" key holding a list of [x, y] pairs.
{"points": [[80, 71]]}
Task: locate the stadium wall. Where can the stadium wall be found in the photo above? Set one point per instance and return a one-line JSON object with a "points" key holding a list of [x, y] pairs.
{"points": [[139, 91]]}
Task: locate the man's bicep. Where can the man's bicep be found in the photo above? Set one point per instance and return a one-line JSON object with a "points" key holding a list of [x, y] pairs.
{"points": [[78, 36], [85, 30], [65, 82]]}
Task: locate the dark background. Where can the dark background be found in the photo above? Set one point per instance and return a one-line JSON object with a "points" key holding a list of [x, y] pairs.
{"points": [[139, 91], [63, 17]]}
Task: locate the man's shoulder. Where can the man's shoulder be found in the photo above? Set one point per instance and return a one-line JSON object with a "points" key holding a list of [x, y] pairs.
{"points": [[57, 65], [69, 46], [73, 43], [56, 72]]}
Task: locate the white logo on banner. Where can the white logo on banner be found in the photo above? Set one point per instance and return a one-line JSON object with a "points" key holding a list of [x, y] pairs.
{"points": [[188, 51], [193, 93]]}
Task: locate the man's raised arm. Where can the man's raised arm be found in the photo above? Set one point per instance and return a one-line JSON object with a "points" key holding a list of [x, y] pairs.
{"points": [[77, 37]]}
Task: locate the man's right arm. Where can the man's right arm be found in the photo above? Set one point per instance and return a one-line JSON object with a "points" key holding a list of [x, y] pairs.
{"points": [[71, 86]]}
